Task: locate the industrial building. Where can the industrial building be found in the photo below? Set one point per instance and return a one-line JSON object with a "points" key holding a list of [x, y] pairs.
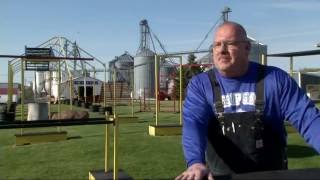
{"points": [[83, 87]]}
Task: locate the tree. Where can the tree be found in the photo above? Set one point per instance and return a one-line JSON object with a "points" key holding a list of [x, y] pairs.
{"points": [[188, 71]]}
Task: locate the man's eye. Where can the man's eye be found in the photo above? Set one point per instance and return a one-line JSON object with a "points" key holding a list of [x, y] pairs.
{"points": [[231, 43], [217, 44]]}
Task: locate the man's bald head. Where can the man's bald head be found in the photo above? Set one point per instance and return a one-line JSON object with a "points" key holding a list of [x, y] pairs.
{"points": [[238, 28], [231, 49]]}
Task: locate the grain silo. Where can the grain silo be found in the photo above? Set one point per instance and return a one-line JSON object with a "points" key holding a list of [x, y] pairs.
{"points": [[144, 65], [123, 67], [257, 49]]}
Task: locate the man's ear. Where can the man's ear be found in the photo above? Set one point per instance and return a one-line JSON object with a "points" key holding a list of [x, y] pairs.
{"points": [[248, 46]]}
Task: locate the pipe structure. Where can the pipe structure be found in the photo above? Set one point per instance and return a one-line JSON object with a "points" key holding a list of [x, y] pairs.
{"points": [[107, 153], [104, 85], [51, 123], [291, 66], [115, 146], [156, 86], [50, 94], [114, 91], [59, 102], [85, 86], [263, 59], [59, 83], [94, 86], [10, 83], [75, 122], [22, 90], [181, 89], [71, 92], [49, 58], [132, 93]]}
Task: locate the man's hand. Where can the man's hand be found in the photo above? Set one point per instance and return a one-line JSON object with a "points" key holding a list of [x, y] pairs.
{"points": [[197, 171]]}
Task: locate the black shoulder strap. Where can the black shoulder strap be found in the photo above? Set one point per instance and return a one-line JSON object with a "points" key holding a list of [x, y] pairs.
{"points": [[216, 90], [259, 89]]}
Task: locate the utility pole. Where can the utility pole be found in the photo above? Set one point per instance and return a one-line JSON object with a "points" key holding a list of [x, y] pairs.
{"points": [[225, 12]]}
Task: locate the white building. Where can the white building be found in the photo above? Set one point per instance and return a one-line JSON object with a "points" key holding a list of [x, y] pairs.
{"points": [[82, 86]]}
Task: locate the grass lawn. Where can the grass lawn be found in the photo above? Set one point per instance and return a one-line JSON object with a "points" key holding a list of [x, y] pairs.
{"points": [[141, 156]]}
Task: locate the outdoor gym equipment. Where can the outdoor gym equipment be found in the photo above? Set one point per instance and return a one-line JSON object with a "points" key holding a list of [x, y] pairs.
{"points": [[162, 130], [124, 118], [107, 173]]}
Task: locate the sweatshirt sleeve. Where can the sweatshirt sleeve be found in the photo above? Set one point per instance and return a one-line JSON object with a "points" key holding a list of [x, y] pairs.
{"points": [[196, 112], [300, 111]]}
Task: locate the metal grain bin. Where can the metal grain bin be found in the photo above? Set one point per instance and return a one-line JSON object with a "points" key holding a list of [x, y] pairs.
{"points": [[144, 74]]}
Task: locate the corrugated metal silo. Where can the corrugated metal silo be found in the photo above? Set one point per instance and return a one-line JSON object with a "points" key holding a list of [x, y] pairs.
{"points": [[144, 65], [144, 74], [123, 66], [257, 49]]}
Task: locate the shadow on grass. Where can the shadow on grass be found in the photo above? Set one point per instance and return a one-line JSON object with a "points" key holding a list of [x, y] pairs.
{"points": [[143, 121], [298, 151], [74, 137]]}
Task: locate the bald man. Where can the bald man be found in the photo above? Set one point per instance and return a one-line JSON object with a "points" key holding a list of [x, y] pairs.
{"points": [[234, 114]]}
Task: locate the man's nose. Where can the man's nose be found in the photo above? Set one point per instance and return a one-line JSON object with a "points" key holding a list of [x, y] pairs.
{"points": [[224, 48]]}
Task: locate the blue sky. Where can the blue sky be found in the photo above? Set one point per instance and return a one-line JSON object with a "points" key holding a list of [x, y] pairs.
{"points": [[107, 28]]}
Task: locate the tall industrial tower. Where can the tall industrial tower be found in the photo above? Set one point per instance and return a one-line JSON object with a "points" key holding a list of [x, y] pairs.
{"points": [[144, 64]]}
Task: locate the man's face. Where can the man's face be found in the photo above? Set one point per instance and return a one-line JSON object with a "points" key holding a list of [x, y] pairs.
{"points": [[230, 51]]}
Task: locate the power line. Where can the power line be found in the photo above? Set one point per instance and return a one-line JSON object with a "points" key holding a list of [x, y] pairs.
{"points": [[206, 36]]}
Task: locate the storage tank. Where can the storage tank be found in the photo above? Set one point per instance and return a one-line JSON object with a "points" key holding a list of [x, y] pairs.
{"points": [[38, 83], [144, 65], [257, 49], [47, 82], [55, 85], [144, 74], [123, 65]]}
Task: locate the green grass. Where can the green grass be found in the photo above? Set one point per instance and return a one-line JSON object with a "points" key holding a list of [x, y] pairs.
{"points": [[140, 155]]}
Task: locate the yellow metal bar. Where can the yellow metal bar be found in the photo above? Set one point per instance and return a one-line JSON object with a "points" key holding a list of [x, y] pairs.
{"points": [[49, 105], [114, 91], [107, 146], [10, 83], [263, 59], [115, 146], [85, 86], [156, 86], [59, 82], [22, 91], [132, 94], [181, 89], [291, 66], [71, 92], [94, 86], [104, 85]]}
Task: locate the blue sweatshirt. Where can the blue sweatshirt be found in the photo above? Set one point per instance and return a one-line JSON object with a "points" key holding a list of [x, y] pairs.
{"points": [[283, 99]]}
